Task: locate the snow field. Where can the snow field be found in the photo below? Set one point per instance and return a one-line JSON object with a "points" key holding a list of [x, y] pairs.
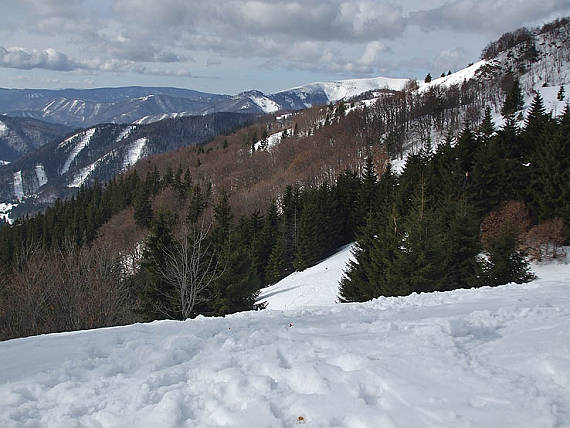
{"points": [[468, 358], [84, 142]]}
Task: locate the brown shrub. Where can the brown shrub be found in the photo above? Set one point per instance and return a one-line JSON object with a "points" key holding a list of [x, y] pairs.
{"points": [[544, 241], [511, 216]]}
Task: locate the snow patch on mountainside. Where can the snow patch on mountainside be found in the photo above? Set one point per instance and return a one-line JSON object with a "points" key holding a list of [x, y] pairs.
{"points": [[125, 133], [265, 104], [456, 78], [135, 152], [5, 210], [272, 140], [85, 172], [18, 186], [41, 174], [3, 129], [84, 142], [3, 162]]}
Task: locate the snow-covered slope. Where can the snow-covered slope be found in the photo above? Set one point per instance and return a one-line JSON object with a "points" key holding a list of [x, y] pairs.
{"points": [[315, 286], [486, 357], [344, 89]]}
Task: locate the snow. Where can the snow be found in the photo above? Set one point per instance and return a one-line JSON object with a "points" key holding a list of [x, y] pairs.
{"points": [[41, 174], [485, 357], [456, 78], [5, 209], [18, 185], [125, 133], [3, 162], [3, 129], [134, 153], [84, 142], [272, 140], [344, 89], [265, 104], [315, 286], [84, 173]]}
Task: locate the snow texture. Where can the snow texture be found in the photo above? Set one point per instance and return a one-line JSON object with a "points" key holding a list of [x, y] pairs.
{"points": [[3, 129], [265, 104], [456, 78], [125, 133], [3, 162], [84, 142], [5, 210], [345, 89], [41, 175], [18, 186], [272, 140], [315, 286], [485, 357], [135, 152]]}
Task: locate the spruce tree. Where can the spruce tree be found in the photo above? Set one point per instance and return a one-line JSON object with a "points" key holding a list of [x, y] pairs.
{"points": [[514, 100]]}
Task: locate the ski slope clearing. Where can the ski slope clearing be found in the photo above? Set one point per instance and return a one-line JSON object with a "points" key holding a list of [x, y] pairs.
{"points": [[487, 357]]}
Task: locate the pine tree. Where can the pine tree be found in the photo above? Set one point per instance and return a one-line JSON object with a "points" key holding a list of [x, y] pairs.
{"points": [[428, 78], [550, 193], [367, 195], [505, 263], [487, 129], [561, 93], [142, 208], [535, 124], [514, 100], [155, 295]]}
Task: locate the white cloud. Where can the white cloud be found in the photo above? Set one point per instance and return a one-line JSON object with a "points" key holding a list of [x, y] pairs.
{"points": [[27, 59]]}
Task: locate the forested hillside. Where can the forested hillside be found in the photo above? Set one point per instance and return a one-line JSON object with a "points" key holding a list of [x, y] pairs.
{"points": [[202, 229]]}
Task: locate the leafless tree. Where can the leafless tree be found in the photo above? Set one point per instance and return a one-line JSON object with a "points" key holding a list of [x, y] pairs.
{"points": [[190, 267]]}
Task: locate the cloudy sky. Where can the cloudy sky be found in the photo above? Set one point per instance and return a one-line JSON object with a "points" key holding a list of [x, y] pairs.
{"points": [[227, 46]]}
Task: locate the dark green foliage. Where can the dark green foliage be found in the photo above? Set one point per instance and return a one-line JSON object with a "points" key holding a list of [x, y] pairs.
{"points": [[514, 100], [506, 264], [427, 78], [550, 195], [155, 295]]}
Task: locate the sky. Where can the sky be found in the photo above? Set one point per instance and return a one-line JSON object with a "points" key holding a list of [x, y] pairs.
{"points": [[230, 46]]}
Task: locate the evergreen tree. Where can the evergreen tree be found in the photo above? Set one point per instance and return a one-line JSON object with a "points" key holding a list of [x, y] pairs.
{"points": [[535, 124], [550, 193], [155, 295], [514, 100], [505, 263], [487, 129], [142, 207], [561, 93], [367, 195], [428, 78]]}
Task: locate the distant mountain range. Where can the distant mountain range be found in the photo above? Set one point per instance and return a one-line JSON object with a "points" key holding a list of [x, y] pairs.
{"points": [[99, 153], [140, 105], [19, 136]]}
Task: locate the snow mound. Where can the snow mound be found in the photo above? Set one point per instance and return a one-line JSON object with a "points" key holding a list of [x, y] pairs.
{"points": [[485, 357]]}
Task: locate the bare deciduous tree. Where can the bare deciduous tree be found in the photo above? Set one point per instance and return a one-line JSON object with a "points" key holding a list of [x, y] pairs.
{"points": [[189, 267]]}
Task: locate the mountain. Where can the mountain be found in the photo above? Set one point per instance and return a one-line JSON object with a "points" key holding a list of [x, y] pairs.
{"points": [[127, 105], [99, 153], [19, 136]]}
